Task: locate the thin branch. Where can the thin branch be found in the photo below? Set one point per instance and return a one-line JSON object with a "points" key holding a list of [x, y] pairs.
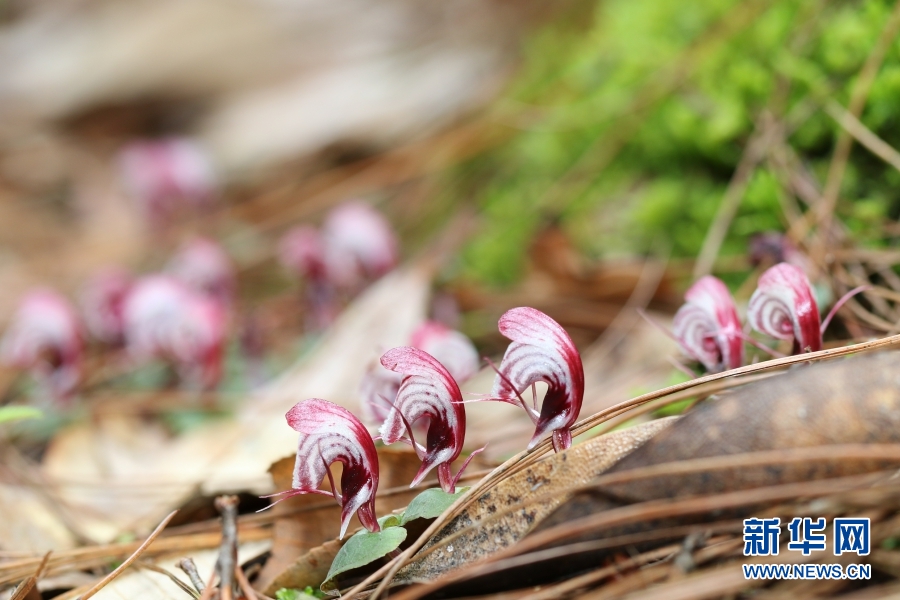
{"points": [[862, 134], [227, 506], [118, 571], [190, 568]]}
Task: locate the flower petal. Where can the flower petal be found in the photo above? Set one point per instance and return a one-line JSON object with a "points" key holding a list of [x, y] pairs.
{"points": [[541, 350], [783, 307], [708, 327], [428, 390], [331, 434]]}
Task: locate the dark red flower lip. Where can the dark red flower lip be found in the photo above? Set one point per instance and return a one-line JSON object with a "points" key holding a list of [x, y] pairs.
{"points": [[541, 351], [707, 326], [330, 433], [427, 391], [783, 307]]}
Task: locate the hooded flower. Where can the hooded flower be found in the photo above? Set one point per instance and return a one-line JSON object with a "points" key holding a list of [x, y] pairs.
{"points": [[427, 390], [541, 350], [302, 252], [783, 307], [165, 175], [328, 434], [102, 302], [708, 328], [166, 319], [203, 265], [451, 348], [359, 244], [45, 337]]}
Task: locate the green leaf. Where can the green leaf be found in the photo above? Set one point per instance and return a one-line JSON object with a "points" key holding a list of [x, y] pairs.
{"points": [[291, 594], [389, 521], [430, 504], [18, 413], [361, 549]]}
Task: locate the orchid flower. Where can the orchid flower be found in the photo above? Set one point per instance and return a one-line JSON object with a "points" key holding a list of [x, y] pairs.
{"points": [[203, 265], [707, 326], [302, 252], [102, 301], [45, 337], [359, 244], [166, 319], [783, 307], [164, 175], [329, 434], [541, 350], [451, 348], [427, 391]]}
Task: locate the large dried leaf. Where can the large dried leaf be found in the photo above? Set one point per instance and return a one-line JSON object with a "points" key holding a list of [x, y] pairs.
{"points": [[853, 401], [498, 518]]}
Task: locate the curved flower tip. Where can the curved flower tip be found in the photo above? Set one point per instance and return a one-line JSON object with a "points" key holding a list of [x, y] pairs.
{"points": [[541, 350], [166, 319], [102, 302], [708, 328], [450, 347], [302, 252], [328, 434], [783, 307], [45, 337], [203, 265], [164, 175], [359, 244], [427, 390]]}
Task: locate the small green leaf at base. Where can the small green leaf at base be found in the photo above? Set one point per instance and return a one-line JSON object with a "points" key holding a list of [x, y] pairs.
{"points": [[430, 504], [18, 413], [291, 594], [361, 549]]}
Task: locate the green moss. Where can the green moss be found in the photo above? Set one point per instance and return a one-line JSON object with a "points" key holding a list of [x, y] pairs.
{"points": [[629, 126]]}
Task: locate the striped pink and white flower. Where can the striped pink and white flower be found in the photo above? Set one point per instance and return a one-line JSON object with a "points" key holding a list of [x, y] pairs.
{"points": [[427, 391], [329, 434], [45, 337], [708, 328], [102, 301], [163, 318], [541, 351], [783, 307]]}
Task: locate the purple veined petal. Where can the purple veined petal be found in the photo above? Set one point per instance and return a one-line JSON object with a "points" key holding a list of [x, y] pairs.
{"points": [[328, 434], [45, 337], [428, 390], [783, 307], [102, 301], [541, 350], [451, 348], [204, 266], [707, 326]]}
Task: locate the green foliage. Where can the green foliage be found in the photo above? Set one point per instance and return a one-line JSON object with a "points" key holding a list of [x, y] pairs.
{"points": [[18, 413], [628, 125], [291, 594], [430, 504], [361, 549]]}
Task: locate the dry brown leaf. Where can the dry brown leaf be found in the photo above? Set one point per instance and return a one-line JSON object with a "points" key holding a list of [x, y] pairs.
{"points": [[853, 401], [144, 584], [502, 515], [28, 523]]}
